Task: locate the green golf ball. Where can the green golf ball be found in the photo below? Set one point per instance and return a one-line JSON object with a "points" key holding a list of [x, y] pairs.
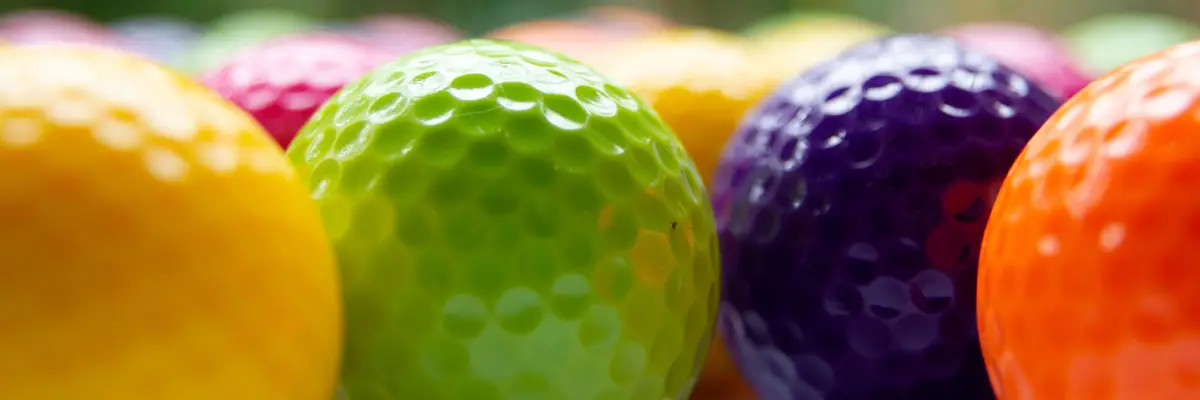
{"points": [[510, 224]]}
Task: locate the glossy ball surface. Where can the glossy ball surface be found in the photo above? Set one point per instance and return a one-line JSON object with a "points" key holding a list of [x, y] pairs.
{"points": [[850, 209], [1087, 289], [156, 242], [1037, 54], [282, 82], [510, 224]]}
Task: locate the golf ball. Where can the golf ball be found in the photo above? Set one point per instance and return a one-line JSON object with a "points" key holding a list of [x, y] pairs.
{"points": [[850, 209], [1037, 54], [510, 224], [156, 242], [282, 82], [1085, 280]]}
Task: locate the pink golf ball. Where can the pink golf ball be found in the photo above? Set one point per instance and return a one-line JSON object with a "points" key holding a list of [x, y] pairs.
{"points": [[400, 33], [40, 27], [282, 82], [1037, 54]]}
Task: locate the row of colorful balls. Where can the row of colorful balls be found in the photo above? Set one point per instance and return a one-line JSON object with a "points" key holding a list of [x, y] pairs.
{"points": [[798, 38], [674, 68]]}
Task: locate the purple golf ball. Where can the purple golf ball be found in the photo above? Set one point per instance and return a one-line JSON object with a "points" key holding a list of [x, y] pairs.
{"points": [[850, 208], [160, 38]]}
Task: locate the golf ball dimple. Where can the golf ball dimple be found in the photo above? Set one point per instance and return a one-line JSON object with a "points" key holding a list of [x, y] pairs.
{"points": [[1090, 239], [850, 209], [283, 82], [156, 242], [511, 225]]}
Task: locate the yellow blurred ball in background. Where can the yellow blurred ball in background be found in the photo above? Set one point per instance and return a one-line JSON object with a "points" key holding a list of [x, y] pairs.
{"points": [[700, 81], [788, 44]]}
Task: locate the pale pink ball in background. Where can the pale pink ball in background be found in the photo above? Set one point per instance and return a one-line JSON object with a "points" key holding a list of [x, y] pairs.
{"points": [[42, 27], [284, 81], [401, 33], [1035, 53]]}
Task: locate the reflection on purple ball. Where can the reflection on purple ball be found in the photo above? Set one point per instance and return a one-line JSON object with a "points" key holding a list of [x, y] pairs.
{"points": [[399, 34], [41, 27], [850, 209], [163, 39]]}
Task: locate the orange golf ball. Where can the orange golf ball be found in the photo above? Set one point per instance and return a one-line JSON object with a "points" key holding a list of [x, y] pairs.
{"points": [[1088, 288]]}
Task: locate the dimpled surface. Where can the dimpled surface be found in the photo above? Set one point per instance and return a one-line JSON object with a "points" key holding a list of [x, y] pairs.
{"points": [[1087, 289], [156, 243], [283, 82], [510, 225], [850, 209]]}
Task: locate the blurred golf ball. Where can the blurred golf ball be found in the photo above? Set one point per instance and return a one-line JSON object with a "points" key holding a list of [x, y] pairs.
{"points": [[1108, 41], [283, 81]]}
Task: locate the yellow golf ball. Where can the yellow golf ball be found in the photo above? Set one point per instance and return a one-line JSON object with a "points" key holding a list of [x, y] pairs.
{"points": [[154, 242]]}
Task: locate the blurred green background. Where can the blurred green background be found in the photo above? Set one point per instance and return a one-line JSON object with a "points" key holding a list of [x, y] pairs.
{"points": [[479, 16]]}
